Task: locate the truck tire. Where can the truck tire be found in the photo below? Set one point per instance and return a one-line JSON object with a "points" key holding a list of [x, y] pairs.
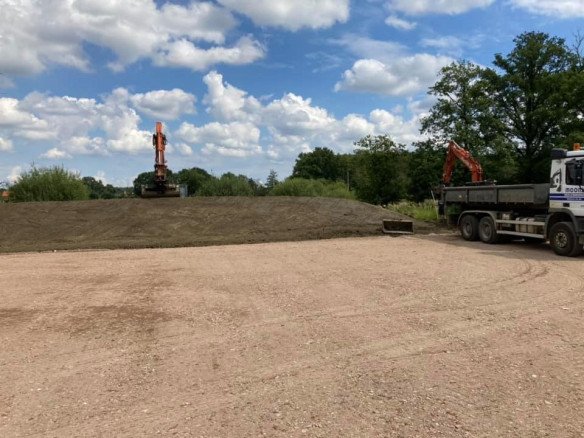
{"points": [[469, 227], [564, 240], [487, 230]]}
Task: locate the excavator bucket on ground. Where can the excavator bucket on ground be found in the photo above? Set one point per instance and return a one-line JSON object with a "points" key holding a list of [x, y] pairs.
{"points": [[168, 191], [393, 226]]}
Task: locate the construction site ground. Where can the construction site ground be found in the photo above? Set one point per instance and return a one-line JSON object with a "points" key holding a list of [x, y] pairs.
{"points": [[424, 335]]}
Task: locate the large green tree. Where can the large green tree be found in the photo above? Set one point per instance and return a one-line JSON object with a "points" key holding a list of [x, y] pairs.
{"points": [[527, 87], [194, 178], [381, 172], [321, 163], [464, 109]]}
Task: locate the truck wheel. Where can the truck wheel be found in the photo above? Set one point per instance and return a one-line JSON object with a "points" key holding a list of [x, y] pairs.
{"points": [[564, 240], [469, 227], [487, 231]]}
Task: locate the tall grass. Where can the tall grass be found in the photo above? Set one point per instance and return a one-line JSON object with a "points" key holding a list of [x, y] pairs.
{"points": [[48, 184], [312, 187], [423, 211]]}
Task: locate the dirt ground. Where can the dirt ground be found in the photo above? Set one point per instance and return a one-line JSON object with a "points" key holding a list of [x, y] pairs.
{"points": [[176, 222], [376, 336]]}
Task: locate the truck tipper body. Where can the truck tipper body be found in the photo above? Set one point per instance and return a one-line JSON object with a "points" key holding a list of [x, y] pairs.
{"points": [[533, 212]]}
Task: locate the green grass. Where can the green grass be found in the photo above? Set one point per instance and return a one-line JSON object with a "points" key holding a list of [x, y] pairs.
{"points": [[422, 211]]}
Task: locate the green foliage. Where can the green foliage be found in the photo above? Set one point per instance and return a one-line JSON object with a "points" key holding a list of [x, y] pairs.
{"points": [[312, 187], [194, 178], [423, 211], [228, 185], [425, 169], [529, 100], [97, 190], [272, 180], [48, 184], [381, 170], [322, 163]]}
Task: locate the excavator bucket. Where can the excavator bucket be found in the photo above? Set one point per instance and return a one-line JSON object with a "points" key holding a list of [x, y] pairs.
{"points": [[157, 192], [392, 226]]}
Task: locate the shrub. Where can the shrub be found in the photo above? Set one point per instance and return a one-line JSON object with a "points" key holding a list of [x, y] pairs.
{"points": [[48, 184], [228, 185], [312, 187]]}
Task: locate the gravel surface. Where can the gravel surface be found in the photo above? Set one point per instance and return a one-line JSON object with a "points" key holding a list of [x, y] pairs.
{"points": [[376, 336]]}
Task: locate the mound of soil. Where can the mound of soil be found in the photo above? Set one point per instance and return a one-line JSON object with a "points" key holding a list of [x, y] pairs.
{"points": [[174, 222]]}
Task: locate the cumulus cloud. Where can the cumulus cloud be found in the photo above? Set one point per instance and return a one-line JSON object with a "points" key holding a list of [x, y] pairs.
{"points": [[234, 139], [369, 48], [164, 104], [281, 128], [400, 23], [553, 8], [226, 102], [452, 7], [38, 33], [80, 126], [407, 75], [182, 53], [56, 154], [5, 145], [292, 14]]}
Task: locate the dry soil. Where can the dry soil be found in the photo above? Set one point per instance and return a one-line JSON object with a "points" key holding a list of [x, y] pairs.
{"points": [[176, 222], [376, 336]]}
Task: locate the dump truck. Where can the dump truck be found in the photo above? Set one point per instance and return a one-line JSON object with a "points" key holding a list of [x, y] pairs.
{"points": [[552, 212]]}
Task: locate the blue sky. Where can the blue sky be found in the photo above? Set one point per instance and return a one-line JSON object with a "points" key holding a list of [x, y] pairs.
{"points": [[240, 85]]}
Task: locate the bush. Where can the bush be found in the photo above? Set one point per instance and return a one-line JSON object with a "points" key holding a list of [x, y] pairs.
{"points": [[312, 187], [228, 185], [48, 184]]}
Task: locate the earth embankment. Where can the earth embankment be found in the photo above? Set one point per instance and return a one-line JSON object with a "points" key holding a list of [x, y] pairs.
{"points": [[176, 222]]}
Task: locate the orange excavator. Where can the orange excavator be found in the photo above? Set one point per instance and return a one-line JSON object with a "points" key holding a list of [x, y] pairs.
{"points": [[457, 152], [160, 187]]}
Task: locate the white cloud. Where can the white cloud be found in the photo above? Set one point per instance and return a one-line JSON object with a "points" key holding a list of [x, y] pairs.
{"points": [[405, 76], [368, 48], [100, 176], [400, 23], [14, 174], [447, 44], [76, 126], [452, 7], [5, 144], [56, 154], [295, 116], [164, 104], [182, 53], [235, 139], [227, 102], [292, 14], [36, 34], [290, 125], [553, 8]]}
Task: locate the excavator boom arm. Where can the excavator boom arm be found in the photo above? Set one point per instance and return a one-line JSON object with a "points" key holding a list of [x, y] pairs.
{"points": [[456, 152]]}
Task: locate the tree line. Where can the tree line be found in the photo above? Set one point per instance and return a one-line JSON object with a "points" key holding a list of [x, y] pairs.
{"points": [[509, 116]]}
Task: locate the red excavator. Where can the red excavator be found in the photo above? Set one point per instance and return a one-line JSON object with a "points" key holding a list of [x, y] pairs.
{"points": [[457, 152], [160, 187]]}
